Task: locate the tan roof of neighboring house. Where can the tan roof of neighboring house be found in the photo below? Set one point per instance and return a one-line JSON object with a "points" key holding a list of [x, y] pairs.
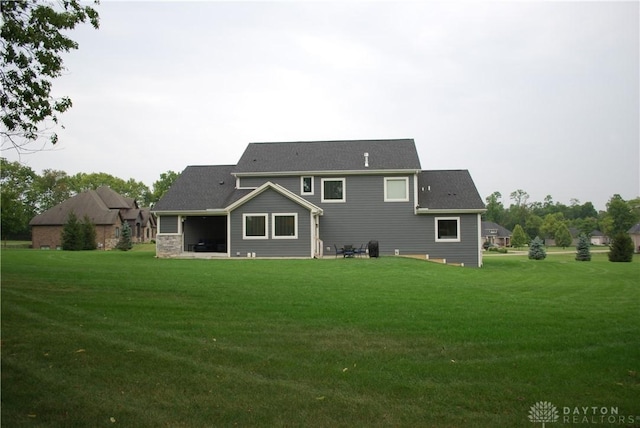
{"points": [[102, 206]]}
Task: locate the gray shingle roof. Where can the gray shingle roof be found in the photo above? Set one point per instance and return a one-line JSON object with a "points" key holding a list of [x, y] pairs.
{"points": [[448, 189], [634, 229], [398, 154], [488, 227], [113, 199], [201, 187]]}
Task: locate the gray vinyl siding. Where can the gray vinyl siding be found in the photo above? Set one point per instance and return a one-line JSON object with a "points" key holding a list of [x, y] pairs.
{"points": [[365, 216], [466, 251], [270, 202], [168, 224]]}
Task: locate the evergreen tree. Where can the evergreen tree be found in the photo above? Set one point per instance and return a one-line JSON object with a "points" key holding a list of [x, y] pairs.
{"points": [[536, 249], [583, 251], [125, 242], [89, 234], [72, 234], [519, 237], [621, 248], [563, 236]]}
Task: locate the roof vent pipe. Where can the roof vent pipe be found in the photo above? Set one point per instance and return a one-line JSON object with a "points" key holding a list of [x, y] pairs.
{"points": [[366, 160]]}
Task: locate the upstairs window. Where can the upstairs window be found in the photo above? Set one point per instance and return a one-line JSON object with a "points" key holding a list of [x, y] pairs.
{"points": [[447, 229], [333, 190], [254, 226], [306, 185], [396, 189]]}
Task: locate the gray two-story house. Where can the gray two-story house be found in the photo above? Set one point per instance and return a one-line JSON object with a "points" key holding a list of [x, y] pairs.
{"points": [[305, 199]]}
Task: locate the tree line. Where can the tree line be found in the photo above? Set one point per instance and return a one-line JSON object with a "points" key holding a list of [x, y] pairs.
{"points": [[549, 219], [26, 194]]}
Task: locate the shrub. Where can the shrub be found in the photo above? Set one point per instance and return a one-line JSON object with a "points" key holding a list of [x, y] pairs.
{"points": [[519, 237], [563, 236], [89, 234], [78, 235], [72, 234], [583, 250], [536, 249], [621, 248], [125, 243]]}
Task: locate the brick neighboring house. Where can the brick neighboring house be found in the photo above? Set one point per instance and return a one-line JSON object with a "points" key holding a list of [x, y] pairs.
{"points": [[106, 209]]}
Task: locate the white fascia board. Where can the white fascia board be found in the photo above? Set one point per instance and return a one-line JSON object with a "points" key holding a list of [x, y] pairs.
{"points": [[278, 188], [207, 212], [327, 173], [450, 211]]}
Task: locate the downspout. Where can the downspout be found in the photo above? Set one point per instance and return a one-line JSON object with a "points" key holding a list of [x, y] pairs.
{"points": [[479, 249]]}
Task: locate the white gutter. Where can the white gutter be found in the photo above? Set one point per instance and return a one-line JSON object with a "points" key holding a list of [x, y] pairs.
{"points": [[326, 173], [450, 211]]}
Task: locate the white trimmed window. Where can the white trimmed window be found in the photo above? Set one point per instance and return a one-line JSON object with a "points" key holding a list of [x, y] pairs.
{"points": [[254, 226], [396, 189], [285, 225], [306, 185], [333, 190], [447, 229]]}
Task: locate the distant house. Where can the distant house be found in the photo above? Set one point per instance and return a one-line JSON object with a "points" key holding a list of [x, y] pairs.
{"points": [[307, 199], [106, 209], [495, 234], [634, 232], [598, 238]]}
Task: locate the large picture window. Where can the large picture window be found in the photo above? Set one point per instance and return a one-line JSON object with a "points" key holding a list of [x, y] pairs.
{"points": [[333, 190], [396, 189], [285, 226], [254, 226], [447, 229]]}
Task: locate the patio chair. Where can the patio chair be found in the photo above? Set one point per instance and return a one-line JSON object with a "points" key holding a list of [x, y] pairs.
{"points": [[338, 250], [361, 251]]}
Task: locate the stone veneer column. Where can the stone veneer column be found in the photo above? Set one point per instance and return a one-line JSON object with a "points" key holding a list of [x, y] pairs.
{"points": [[168, 245]]}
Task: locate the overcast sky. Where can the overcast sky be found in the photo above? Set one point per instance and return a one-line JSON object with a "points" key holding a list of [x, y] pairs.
{"points": [[538, 96]]}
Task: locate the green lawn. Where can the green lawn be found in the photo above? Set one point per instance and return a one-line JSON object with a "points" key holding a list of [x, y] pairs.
{"points": [[123, 338]]}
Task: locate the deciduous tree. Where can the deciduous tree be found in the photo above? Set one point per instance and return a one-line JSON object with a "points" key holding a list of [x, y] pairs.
{"points": [[18, 198], [621, 216], [519, 237], [563, 236], [33, 38]]}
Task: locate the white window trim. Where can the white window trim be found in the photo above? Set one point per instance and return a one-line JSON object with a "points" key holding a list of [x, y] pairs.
{"points": [[295, 225], [457, 219], [344, 191], [244, 225], [302, 192], [406, 192]]}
